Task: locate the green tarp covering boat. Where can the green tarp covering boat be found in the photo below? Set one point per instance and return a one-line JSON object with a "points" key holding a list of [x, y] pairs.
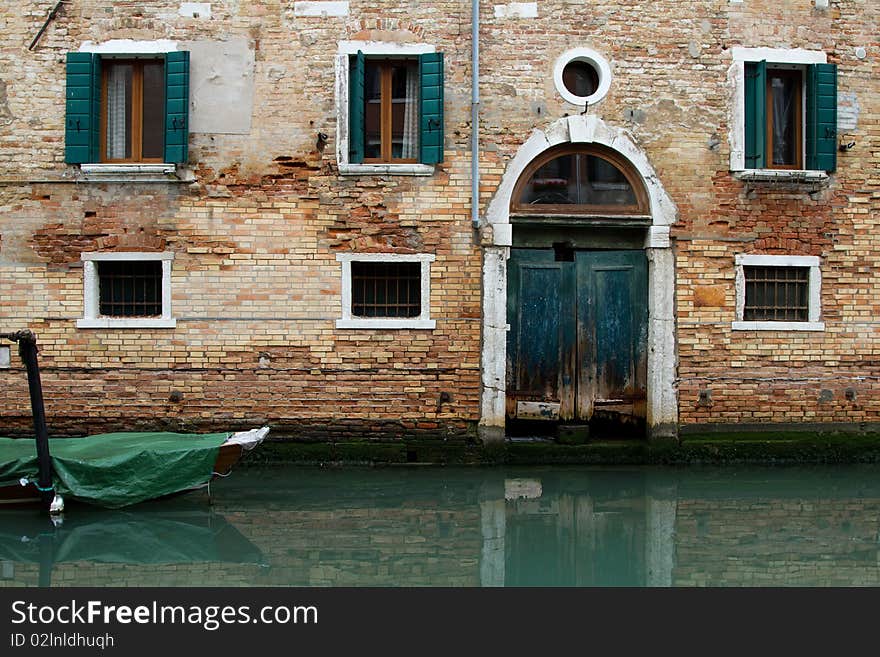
{"points": [[119, 469]]}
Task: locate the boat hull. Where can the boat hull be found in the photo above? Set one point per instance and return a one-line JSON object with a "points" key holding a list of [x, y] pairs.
{"points": [[17, 495]]}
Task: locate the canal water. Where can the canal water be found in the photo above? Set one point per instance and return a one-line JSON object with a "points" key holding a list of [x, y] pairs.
{"points": [[433, 526]]}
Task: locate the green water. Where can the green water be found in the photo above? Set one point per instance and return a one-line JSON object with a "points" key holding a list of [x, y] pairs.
{"points": [[418, 526]]}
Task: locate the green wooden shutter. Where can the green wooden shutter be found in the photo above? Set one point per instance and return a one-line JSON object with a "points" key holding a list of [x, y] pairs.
{"points": [[431, 104], [821, 127], [356, 130], [756, 115], [83, 116], [177, 106]]}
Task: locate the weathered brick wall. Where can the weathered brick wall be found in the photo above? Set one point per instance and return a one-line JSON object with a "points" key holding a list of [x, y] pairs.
{"points": [[256, 235], [256, 285]]}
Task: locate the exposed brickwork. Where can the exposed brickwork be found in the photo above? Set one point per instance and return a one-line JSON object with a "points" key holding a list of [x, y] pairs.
{"points": [[256, 284]]}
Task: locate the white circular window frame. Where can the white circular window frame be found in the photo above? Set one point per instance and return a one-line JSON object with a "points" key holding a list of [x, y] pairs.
{"points": [[594, 59]]}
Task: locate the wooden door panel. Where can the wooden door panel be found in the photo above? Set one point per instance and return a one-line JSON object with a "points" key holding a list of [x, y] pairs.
{"points": [[540, 343], [612, 332]]}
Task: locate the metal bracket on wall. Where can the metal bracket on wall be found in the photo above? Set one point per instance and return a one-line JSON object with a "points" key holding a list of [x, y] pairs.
{"points": [[48, 20]]}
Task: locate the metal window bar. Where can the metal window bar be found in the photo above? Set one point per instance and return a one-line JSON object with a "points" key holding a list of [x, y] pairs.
{"points": [[777, 294], [386, 289], [130, 288]]}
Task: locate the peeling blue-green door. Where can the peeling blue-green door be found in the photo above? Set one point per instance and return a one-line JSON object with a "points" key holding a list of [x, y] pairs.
{"points": [[540, 346], [577, 345]]}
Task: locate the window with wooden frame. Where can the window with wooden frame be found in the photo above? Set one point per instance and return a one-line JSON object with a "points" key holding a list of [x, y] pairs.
{"points": [[133, 110], [127, 109], [391, 111], [790, 116], [784, 119], [395, 109], [583, 180]]}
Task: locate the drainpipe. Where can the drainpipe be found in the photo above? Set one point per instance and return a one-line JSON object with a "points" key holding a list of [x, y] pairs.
{"points": [[475, 113]]}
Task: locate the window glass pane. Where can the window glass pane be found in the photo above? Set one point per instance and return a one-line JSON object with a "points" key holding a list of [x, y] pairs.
{"points": [[777, 294], [580, 78], [605, 184], [386, 289], [578, 179], [784, 95], [554, 183], [154, 110], [372, 110], [405, 110], [130, 289], [119, 93]]}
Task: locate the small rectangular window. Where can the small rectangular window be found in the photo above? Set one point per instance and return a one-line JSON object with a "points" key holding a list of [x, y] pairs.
{"points": [[386, 289], [133, 116], [127, 289], [130, 288], [777, 294]]}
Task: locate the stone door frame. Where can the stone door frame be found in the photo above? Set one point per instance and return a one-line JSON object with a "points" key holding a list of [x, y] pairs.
{"points": [[662, 402]]}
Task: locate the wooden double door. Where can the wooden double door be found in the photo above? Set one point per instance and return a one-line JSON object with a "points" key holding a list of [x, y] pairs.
{"points": [[577, 344]]}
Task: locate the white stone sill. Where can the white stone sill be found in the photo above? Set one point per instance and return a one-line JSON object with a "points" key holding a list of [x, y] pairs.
{"points": [[127, 168], [137, 173], [389, 169], [127, 323], [780, 175], [778, 326], [386, 324]]}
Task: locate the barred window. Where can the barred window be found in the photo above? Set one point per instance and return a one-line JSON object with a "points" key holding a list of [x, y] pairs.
{"points": [[126, 290], [777, 294], [386, 289], [130, 288]]}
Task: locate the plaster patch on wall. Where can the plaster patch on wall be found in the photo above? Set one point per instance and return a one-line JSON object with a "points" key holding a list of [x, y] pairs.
{"points": [[221, 86], [517, 10], [195, 9], [314, 8], [4, 357], [847, 111], [5, 115]]}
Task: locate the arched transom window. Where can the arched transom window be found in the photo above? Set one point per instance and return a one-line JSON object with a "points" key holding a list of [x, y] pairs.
{"points": [[580, 179]]}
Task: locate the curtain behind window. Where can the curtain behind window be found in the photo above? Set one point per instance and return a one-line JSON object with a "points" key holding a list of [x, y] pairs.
{"points": [[118, 111], [411, 115]]}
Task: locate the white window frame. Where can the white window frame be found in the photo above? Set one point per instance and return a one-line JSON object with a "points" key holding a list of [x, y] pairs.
{"points": [[423, 321], [369, 48], [814, 294], [91, 292], [592, 58], [775, 58]]}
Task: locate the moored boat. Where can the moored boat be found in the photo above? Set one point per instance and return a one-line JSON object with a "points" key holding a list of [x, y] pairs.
{"points": [[111, 470]]}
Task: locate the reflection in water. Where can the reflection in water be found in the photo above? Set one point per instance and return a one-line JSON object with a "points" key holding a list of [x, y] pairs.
{"points": [[472, 527]]}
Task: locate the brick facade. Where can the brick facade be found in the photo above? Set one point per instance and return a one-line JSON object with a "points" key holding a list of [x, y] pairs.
{"points": [[262, 212]]}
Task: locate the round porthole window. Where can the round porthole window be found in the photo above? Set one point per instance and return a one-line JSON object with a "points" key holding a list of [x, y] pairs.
{"points": [[582, 76]]}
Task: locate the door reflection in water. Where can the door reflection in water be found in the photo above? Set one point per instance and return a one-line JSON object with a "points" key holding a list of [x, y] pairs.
{"points": [[472, 527]]}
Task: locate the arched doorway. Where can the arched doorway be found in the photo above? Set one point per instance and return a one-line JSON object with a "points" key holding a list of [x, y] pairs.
{"points": [[579, 277], [577, 296]]}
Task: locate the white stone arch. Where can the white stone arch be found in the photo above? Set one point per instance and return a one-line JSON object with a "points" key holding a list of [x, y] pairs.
{"points": [[662, 402]]}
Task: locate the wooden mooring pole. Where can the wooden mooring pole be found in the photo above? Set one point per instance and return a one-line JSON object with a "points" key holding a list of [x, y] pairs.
{"points": [[27, 349]]}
